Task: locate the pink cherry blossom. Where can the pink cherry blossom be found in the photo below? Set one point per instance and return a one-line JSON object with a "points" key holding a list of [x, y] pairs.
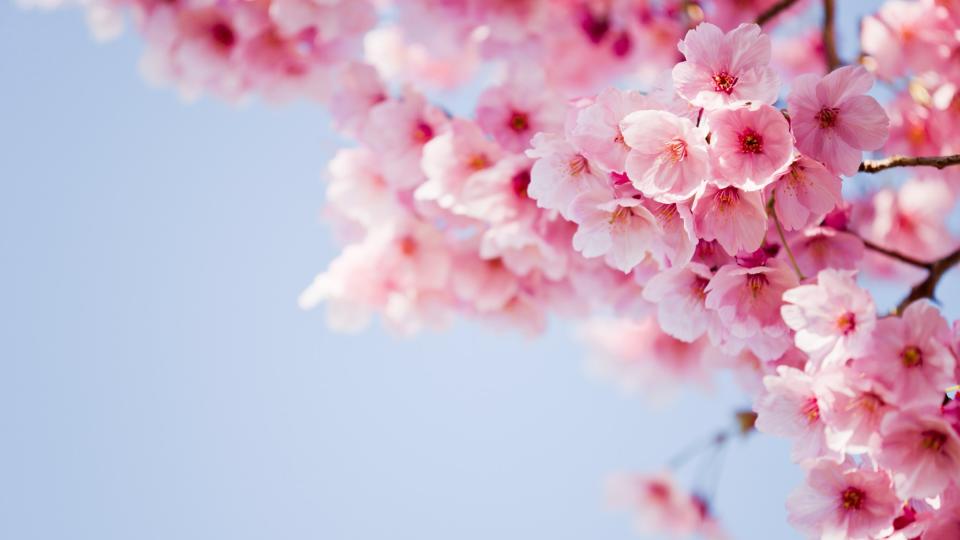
{"points": [[790, 407], [843, 502], [668, 155], [911, 356], [597, 131], [805, 194], [560, 173], [921, 450], [517, 110], [834, 121], [734, 218], [450, 160], [680, 296], [854, 411], [750, 147], [833, 320], [748, 301], [658, 503], [819, 248], [619, 228], [721, 69]]}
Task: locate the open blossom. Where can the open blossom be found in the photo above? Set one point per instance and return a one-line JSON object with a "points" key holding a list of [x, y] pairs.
{"points": [[597, 131], [660, 506], [668, 155], [819, 248], [680, 295], [855, 409], [805, 194], [560, 173], [834, 121], [750, 146], [921, 450], [748, 300], [451, 159], [721, 69], [790, 407], [833, 319], [734, 218], [619, 228], [843, 501], [517, 110], [911, 356]]}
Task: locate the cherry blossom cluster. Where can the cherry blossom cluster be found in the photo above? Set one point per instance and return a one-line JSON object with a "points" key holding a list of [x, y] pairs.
{"points": [[697, 225], [282, 49]]}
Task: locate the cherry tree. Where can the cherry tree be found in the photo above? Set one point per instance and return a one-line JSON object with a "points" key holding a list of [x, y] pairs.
{"points": [[692, 182]]}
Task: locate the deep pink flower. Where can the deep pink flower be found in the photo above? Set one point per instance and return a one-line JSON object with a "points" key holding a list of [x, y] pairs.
{"points": [[911, 356], [805, 194], [735, 218], [750, 147], [668, 158], [833, 319], [721, 69], [843, 502], [834, 121], [921, 450]]}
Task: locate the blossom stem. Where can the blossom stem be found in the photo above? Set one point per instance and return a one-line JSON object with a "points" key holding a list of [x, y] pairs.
{"points": [[928, 287], [872, 166], [896, 255], [829, 36], [773, 11], [783, 241]]}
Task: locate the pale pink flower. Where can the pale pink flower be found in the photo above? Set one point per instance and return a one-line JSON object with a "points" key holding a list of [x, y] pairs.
{"points": [[560, 173], [620, 229], [499, 193], [642, 358], [834, 121], [597, 130], [735, 218], [898, 36], [911, 356], [358, 191], [657, 502], [748, 302], [396, 131], [532, 243], [843, 502], [805, 194], [855, 409], [358, 90], [922, 452], [721, 69], [677, 241], [517, 110], [749, 146], [790, 407], [668, 158], [833, 319], [450, 160], [485, 284], [944, 524], [680, 295], [819, 248]]}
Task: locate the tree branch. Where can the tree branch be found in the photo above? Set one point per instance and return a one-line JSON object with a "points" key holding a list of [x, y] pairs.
{"points": [[829, 36], [896, 255], [773, 11], [928, 287], [872, 166]]}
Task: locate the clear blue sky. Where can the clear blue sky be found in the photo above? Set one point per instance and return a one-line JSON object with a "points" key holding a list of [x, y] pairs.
{"points": [[157, 380]]}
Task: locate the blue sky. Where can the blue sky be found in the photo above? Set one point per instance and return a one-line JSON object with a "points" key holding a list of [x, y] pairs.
{"points": [[157, 380]]}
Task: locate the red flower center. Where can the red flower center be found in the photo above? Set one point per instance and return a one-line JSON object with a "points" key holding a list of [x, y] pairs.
{"points": [[911, 356], [933, 440], [726, 197], [223, 35], [677, 150], [520, 182], [724, 82], [852, 498], [519, 122], [811, 410], [827, 117], [751, 142], [422, 132], [847, 322]]}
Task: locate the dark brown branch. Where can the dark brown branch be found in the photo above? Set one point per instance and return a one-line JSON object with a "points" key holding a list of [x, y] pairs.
{"points": [[896, 255], [773, 11], [928, 287], [872, 166], [830, 36]]}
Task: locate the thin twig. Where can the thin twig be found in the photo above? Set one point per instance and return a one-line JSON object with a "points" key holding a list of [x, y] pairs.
{"points": [[773, 11], [830, 36], [896, 255], [783, 239], [928, 287], [877, 165]]}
